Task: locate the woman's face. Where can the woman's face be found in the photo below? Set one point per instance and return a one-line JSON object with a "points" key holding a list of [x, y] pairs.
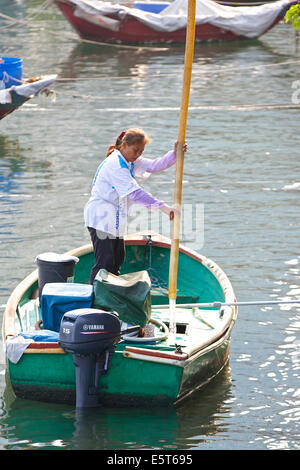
{"points": [[132, 152]]}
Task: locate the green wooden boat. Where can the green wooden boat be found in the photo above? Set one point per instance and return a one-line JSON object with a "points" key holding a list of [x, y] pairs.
{"points": [[163, 369]]}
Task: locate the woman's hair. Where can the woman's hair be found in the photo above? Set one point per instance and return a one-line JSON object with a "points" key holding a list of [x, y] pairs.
{"points": [[131, 137]]}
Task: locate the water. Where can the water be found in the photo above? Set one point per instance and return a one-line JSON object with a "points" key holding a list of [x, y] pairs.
{"points": [[242, 167]]}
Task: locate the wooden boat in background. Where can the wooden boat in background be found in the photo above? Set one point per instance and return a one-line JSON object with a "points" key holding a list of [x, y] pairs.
{"points": [[14, 97], [162, 369], [143, 24]]}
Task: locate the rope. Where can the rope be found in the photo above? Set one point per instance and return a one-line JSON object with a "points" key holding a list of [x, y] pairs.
{"points": [[195, 74], [158, 285], [236, 107], [249, 107], [45, 91], [256, 66], [98, 43], [15, 21]]}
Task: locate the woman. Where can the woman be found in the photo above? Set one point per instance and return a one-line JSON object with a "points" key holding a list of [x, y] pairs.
{"points": [[114, 190]]}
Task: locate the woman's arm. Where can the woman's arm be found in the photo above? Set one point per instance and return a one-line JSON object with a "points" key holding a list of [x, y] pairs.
{"points": [[162, 163], [145, 199], [142, 197]]}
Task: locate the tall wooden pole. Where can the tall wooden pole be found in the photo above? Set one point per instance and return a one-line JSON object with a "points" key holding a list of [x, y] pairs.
{"points": [[188, 62]]}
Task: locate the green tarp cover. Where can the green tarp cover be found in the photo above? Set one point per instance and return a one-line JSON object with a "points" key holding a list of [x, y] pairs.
{"points": [[128, 295]]}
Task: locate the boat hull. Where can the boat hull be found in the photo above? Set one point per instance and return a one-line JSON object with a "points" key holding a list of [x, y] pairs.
{"points": [[7, 108], [132, 31], [50, 377], [14, 97]]}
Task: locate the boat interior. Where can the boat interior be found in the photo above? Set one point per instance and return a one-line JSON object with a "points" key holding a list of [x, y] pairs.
{"points": [[196, 283]]}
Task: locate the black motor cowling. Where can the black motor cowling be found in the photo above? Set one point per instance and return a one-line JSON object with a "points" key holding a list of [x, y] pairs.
{"points": [[90, 335], [89, 330]]}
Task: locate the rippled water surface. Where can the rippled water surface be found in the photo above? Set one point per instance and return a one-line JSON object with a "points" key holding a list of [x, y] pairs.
{"points": [[242, 171]]}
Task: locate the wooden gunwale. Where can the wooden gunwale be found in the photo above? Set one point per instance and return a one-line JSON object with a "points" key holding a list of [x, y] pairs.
{"points": [[131, 350], [175, 358]]}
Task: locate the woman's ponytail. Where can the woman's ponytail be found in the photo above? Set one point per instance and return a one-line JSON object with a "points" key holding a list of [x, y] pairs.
{"points": [[131, 136], [117, 144]]}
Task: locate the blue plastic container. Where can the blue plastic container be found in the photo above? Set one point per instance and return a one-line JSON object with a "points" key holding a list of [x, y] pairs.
{"points": [[155, 7], [61, 297], [11, 71]]}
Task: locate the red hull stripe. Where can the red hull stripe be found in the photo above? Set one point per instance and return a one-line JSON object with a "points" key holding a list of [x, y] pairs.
{"points": [[43, 345]]}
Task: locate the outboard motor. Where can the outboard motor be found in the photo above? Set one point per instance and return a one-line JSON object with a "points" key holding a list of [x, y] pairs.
{"points": [[91, 336]]}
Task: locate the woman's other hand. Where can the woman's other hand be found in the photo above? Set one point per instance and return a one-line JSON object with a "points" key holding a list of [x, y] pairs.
{"points": [[170, 211], [176, 145]]}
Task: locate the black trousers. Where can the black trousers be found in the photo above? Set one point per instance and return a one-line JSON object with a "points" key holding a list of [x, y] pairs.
{"points": [[109, 252]]}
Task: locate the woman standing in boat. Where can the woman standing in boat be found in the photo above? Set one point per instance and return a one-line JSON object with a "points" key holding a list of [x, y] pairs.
{"points": [[114, 190]]}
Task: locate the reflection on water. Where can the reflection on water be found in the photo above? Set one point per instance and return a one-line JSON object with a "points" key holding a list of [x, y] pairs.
{"points": [[11, 164], [185, 427], [99, 61], [15, 163], [18, 172]]}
